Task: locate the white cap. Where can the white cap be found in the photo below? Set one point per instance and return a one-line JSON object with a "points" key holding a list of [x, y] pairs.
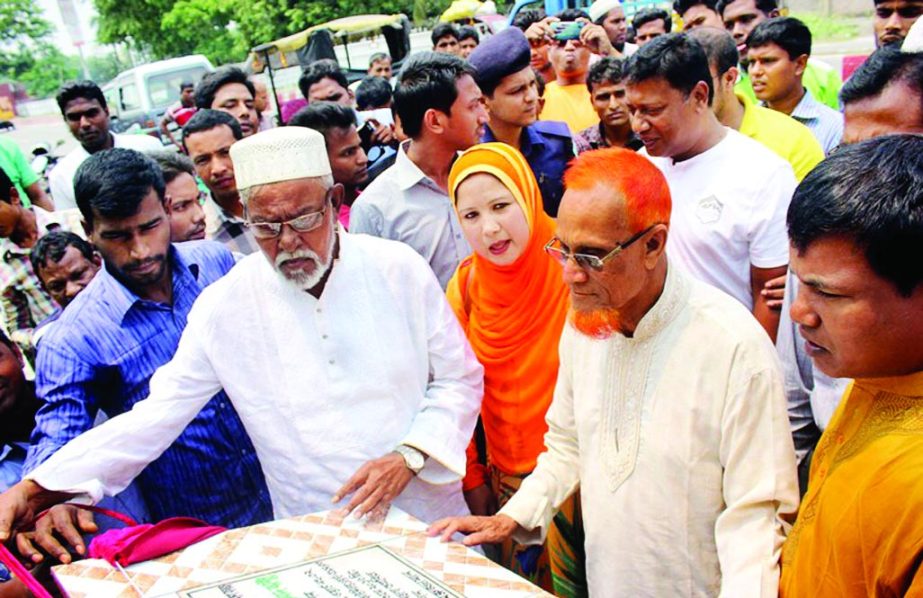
{"points": [[914, 40], [279, 154], [601, 8]]}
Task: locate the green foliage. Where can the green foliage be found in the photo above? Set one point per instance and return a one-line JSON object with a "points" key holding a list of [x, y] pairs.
{"points": [[20, 21], [40, 69], [224, 30], [832, 28], [204, 27]]}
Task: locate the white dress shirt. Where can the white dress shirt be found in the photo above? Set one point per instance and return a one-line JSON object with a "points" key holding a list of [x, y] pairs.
{"points": [[679, 440], [405, 205], [61, 177], [321, 385]]}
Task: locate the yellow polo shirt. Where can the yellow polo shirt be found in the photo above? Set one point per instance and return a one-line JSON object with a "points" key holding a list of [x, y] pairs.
{"points": [[782, 134], [571, 104]]}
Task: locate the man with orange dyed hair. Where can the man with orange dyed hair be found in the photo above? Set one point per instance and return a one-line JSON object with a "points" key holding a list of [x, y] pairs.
{"points": [[668, 411]]}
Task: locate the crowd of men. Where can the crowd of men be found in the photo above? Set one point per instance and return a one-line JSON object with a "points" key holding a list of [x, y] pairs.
{"points": [[672, 278]]}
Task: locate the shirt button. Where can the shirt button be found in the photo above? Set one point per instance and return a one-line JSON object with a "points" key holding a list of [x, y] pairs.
{"points": [[323, 336], [243, 451], [319, 310], [330, 362]]}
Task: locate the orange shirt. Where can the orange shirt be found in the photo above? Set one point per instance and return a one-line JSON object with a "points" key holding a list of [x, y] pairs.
{"points": [[859, 531]]}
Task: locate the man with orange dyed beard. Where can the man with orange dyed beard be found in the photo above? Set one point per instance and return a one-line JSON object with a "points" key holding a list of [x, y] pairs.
{"points": [[668, 411]]}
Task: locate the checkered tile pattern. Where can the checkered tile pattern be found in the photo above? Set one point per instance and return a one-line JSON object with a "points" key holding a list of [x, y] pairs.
{"points": [[289, 541]]}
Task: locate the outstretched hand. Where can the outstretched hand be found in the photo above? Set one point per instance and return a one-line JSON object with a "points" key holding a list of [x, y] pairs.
{"points": [[480, 530], [376, 484]]}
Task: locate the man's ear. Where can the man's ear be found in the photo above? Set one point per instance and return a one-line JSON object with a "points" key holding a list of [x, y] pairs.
{"points": [[14, 197], [655, 245], [96, 259], [337, 193], [167, 203], [731, 75], [801, 63], [775, 12], [434, 121], [87, 229], [700, 94]]}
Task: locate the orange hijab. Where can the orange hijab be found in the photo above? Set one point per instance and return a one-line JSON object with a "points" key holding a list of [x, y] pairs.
{"points": [[513, 316]]}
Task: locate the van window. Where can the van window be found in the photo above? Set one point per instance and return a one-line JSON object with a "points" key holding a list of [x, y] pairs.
{"points": [[129, 97], [163, 88]]}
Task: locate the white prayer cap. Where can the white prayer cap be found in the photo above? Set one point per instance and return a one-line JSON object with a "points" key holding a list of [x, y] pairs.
{"points": [[601, 8], [279, 154], [914, 40]]}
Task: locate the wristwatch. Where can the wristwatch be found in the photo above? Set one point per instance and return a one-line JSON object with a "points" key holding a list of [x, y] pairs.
{"points": [[413, 458]]}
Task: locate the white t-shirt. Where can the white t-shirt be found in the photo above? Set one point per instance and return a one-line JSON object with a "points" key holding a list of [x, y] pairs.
{"points": [[729, 207], [61, 178]]}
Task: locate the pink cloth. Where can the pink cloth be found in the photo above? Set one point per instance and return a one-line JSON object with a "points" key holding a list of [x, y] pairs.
{"points": [[149, 541]]}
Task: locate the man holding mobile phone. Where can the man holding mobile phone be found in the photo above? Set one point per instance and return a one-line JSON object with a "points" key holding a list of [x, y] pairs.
{"points": [[572, 39]]}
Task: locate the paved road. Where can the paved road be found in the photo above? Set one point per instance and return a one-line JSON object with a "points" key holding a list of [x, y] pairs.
{"points": [[47, 128]]}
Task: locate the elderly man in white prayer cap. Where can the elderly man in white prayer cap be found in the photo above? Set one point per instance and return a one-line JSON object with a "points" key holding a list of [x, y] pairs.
{"points": [[340, 353], [611, 16]]}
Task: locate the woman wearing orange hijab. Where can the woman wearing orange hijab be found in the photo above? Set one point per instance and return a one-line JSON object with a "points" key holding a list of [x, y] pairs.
{"points": [[512, 302]]}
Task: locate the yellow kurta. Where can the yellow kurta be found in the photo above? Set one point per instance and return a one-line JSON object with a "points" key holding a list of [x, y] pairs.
{"points": [[860, 530]]}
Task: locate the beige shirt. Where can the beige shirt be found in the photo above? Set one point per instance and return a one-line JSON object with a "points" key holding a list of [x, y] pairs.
{"points": [[679, 440]]}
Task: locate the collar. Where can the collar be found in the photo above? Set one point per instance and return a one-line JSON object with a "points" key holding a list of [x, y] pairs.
{"points": [[227, 217], [910, 385], [633, 142], [672, 300], [807, 108], [747, 121], [406, 172], [122, 299], [530, 138]]}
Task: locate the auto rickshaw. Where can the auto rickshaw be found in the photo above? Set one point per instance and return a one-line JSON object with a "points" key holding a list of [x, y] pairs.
{"points": [[349, 41]]}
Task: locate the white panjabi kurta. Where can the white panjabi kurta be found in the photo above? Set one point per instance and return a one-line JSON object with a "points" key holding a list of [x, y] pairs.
{"points": [[680, 442], [321, 385]]}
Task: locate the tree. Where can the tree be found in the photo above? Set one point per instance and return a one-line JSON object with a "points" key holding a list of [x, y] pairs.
{"points": [[41, 69], [136, 23], [20, 21]]}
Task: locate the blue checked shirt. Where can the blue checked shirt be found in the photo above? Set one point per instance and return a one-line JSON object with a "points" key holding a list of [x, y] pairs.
{"points": [[101, 354]]}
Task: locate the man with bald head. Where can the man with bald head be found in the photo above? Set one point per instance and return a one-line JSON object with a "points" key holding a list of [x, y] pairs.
{"points": [[321, 306], [668, 395]]}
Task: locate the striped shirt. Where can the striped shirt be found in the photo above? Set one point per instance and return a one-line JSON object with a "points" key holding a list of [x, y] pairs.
{"points": [[101, 354], [825, 123]]}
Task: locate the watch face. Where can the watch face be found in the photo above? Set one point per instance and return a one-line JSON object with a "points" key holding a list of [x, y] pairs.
{"points": [[413, 458]]}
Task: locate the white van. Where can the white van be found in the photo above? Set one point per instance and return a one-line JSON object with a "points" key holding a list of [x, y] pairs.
{"points": [[138, 97]]}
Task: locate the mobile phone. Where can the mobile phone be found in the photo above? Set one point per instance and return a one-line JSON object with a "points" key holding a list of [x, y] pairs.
{"points": [[365, 135], [566, 30]]}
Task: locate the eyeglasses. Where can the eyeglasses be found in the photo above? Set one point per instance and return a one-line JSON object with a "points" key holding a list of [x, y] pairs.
{"points": [[302, 224], [557, 250]]}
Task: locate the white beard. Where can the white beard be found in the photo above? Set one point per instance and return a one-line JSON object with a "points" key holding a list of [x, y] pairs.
{"points": [[302, 280]]}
